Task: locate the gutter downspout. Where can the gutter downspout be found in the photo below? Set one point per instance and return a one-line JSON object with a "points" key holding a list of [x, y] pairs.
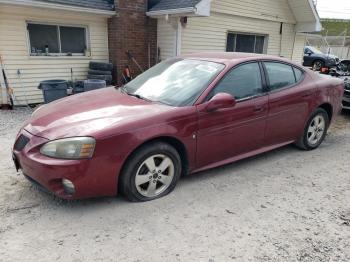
{"points": [[178, 36]]}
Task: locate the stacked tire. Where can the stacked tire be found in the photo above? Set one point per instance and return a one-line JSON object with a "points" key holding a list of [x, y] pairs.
{"points": [[100, 71]]}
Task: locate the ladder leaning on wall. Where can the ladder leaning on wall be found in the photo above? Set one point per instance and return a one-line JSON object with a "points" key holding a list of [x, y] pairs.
{"points": [[3, 94]]}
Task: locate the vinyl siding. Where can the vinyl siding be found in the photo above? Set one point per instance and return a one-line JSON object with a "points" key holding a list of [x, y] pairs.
{"points": [[14, 49], [287, 40], [273, 10], [166, 39], [255, 17], [299, 45], [210, 33]]}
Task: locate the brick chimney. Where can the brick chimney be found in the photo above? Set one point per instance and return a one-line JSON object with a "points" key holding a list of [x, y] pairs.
{"points": [[130, 29]]}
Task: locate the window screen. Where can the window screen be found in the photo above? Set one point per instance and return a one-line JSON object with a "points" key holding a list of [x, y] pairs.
{"points": [[242, 82], [280, 75], [259, 44], [58, 39], [42, 36], [72, 39], [245, 43]]}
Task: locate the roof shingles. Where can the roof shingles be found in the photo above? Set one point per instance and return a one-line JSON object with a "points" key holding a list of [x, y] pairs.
{"points": [[107, 5], [171, 4]]}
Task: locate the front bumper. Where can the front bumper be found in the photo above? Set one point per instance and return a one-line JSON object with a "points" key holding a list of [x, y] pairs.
{"points": [[330, 64], [93, 177]]}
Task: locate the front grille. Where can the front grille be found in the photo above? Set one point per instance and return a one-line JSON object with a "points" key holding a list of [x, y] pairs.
{"points": [[347, 93], [346, 104], [21, 142]]}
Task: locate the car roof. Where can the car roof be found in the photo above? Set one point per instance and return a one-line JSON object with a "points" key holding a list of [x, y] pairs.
{"points": [[233, 57]]}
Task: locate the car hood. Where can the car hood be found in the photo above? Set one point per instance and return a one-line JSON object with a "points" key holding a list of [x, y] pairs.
{"points": [[95, 113], [332, 56]]}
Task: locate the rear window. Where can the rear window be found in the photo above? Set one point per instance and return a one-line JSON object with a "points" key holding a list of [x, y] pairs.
{"points": [[280, 75], [298, 74]]}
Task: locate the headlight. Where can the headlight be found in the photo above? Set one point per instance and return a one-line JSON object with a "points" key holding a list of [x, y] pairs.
{"points": [[70, 148]]}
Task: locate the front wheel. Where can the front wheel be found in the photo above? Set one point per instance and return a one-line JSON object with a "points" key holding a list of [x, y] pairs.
{"points": [[315, 130], [151, 172], [317, 65]]}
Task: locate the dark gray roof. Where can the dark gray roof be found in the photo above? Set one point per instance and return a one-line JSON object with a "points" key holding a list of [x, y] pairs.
{"points": [[107, 5], [173, 4]]}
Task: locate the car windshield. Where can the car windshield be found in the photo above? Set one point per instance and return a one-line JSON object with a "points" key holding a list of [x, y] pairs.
{"points": [[314, 50], [175, 82]]}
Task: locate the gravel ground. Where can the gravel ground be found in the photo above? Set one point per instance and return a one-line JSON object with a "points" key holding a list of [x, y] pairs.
{"points": [[285, 205]]}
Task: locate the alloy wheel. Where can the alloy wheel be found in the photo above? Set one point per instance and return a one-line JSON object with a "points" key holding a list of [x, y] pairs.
{"points": [[317, 65], [154, 175], [316, 130]]}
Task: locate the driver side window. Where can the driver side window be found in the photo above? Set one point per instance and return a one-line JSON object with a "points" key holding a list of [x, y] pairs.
{"points": [[241, 82]]}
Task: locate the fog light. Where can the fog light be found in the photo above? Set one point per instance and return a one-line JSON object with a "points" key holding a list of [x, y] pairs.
{"points": [[68, 186]]}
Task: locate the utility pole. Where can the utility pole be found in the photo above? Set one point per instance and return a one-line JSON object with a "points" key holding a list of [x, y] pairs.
{"points": [[344, 41]]}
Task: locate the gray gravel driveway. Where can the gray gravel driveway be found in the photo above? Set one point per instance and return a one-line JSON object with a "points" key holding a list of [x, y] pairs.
{"points": [[285, 205]]}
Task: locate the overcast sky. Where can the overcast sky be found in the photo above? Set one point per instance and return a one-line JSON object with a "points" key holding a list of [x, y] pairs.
{"points": [[334, 8]]}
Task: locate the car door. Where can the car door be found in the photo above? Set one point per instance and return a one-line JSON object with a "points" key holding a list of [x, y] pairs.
{"points": [[290, 99], [308, 59], [229, 132]]}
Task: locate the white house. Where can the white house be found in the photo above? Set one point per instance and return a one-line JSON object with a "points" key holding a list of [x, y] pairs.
{"points": [[49, 39], [42, 40], [275, 27]]}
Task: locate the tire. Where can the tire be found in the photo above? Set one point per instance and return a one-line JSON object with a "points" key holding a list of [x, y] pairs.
{"points": [[93, 84], [138, 183], [305, 142], [101, 66], [99, 72], [317, 65], [107, 78]]}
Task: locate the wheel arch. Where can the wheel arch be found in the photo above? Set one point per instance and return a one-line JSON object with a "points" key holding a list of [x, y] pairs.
{"points": [[174, 142], [328, 108], [319, 59]]}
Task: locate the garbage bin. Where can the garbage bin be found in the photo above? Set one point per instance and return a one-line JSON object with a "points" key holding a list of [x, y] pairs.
{"points": [[93, 84], [78, 87], [53, 89]]}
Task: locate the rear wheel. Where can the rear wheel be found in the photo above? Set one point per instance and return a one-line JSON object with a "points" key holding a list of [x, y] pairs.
{"points": [[315, 130], [151, 172]]}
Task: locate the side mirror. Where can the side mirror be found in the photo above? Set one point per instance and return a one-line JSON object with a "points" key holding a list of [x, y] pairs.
{"points": [[309, 53], [220, 101]]}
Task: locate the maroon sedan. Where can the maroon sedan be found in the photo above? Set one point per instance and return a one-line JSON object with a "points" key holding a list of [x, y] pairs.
{"points": [[182, 116]]}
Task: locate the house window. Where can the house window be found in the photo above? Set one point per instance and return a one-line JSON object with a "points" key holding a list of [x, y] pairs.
{"points": [[48, 39], [247, 43]]}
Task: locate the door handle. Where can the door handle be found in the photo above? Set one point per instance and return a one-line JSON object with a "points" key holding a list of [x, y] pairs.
{"points": [[306, 95], [258, 109]]}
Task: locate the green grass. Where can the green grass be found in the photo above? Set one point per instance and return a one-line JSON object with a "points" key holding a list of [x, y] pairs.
{"points": [[335, 27]]}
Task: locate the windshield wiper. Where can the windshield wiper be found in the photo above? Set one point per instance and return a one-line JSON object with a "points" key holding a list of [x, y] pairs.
{"points": [[136, 95]]}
